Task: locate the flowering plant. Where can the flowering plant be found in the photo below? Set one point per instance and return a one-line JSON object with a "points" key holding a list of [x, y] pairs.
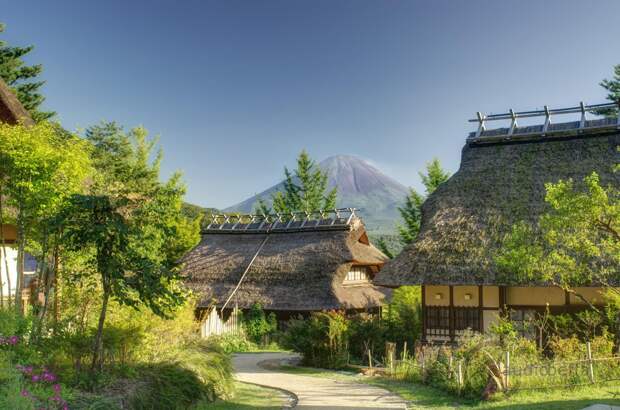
{"points": [[42, 378], [9, 341]]}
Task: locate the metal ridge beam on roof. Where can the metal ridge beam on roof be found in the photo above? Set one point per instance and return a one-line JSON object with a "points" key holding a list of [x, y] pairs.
{"points": [[321, 220]]}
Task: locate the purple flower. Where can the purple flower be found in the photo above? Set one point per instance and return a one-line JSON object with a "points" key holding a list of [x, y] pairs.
{"points": [[56, 388], [13, 340], [25, 393], [36, 378], [49, 377]]}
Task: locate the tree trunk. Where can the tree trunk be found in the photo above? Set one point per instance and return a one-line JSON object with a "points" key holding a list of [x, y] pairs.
{"points": [[98, 343], [56, 287], [21, 246]]}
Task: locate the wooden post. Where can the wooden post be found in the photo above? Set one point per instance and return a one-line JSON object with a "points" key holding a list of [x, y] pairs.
{"points": [[405, 351], [423, 369], [590, 363], [390, 351], [507, 370], [460, 375], [369, 360]]}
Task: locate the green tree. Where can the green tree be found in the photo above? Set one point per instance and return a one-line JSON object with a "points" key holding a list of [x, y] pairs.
{"points": [[576, 243], [305, 190], [130, 225], [40, 167], [613, 85], [411, 211], [22, 78]]}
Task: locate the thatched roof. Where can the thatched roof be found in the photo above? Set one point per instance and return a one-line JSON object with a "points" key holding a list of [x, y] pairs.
{"points": [[497, 185], [11, 110], [296, 270]]}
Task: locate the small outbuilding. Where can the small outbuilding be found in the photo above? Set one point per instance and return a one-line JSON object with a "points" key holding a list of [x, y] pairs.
{"points": [[290, 264], [501, 181]]}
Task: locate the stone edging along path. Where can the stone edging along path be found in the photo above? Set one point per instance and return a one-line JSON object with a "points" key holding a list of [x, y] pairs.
{"points": [[312, 393]]}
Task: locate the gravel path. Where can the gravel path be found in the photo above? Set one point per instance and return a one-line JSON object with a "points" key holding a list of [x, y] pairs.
{"points": [[314, 393]]}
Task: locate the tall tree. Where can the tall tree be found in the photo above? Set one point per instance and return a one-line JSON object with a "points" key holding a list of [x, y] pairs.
{"points": [[305, 190], [575, 244], [411, 211], [22, 78], [133, 225], [40, 168]]}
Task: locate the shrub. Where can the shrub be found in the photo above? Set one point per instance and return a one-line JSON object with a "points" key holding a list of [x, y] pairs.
{"points": [[167, 386], [321, 339], [403, 316], [257, 324], [366, 332], [231, 343]]}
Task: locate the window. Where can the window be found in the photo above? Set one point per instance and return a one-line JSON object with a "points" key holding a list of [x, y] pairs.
{"points": [[437, 320], [358, 274], [522, 320]]}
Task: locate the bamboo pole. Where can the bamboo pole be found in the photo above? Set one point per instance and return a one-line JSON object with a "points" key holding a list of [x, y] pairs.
{"points": [[460, 375], [590, 363], [507, 370]]}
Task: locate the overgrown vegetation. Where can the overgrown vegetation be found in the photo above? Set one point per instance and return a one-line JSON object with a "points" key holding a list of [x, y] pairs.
{"points": [[334, 339], [111, 326]]}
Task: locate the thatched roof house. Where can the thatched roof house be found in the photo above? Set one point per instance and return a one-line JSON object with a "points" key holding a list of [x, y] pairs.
{"points": [[501, 181], [292, 265], [11, 110]]}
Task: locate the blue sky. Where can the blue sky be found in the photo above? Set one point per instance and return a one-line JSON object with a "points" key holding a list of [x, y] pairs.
{"points": [[235, 89]]}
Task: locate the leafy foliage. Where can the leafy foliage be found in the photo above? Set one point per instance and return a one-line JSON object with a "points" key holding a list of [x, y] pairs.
{"points": [[40, 167], [22, 78], [321, 339], [576, 243], [258, 325]]}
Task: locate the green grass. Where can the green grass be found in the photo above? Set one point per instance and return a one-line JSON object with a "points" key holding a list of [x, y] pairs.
{"points": [[249, 396], [427, 397]]}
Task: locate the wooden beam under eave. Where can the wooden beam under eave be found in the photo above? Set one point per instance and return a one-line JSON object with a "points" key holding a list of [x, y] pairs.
{"points": [[480, 310], [423, 314], [451, 314]]}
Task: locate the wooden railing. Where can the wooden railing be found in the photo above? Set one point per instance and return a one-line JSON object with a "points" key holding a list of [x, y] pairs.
{"points": [[513, 131]]}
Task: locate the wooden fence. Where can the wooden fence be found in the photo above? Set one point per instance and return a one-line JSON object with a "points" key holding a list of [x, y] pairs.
{"points": [[214, 325], [542, 374]]}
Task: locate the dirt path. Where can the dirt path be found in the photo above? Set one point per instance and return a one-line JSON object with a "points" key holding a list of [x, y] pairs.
{"points": [[314, 392]]}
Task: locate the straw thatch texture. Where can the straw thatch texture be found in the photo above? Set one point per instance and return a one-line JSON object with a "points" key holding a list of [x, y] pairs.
{"points": [[465, 219], [11, 110], [295, 271]]}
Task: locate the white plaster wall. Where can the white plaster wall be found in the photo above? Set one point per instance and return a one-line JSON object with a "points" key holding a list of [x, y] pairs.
{"points": [[12, 259]]}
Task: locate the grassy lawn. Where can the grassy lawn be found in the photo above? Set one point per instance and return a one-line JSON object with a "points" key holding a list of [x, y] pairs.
{"points": [[249, 396], [426, 397]]}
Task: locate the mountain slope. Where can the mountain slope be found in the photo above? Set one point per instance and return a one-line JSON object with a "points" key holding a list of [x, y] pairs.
{"points": [[360, 185]]}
